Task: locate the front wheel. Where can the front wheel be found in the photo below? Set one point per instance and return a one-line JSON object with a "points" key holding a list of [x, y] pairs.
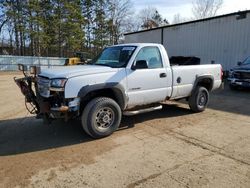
{"points": [[101, 117], [199, 99]]}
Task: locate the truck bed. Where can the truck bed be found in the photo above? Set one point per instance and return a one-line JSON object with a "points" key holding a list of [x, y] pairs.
{"points": [[184, 77]]}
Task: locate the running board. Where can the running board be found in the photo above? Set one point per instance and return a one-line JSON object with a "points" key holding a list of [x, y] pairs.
{"points": [[145, 110]]}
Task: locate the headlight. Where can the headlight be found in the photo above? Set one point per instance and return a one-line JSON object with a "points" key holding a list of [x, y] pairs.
{"points": [[58, 83]]}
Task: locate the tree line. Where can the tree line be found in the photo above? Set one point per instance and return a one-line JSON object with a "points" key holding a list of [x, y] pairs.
{"points": [[62, 27]]}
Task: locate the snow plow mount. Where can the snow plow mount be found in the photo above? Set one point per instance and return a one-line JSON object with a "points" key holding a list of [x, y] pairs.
{"points": [[28, 87]]}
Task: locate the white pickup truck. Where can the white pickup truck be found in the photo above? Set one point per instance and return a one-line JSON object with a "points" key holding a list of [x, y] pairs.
{"points": [[124, 79]]}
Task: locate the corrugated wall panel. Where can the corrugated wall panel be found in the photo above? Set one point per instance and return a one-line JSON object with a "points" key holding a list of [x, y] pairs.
{"points": [[153, 36], [8, 62], [225, 40]]}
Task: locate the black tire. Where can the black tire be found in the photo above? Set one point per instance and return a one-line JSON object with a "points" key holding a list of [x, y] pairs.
{"points": [[199, 99], [101, 117], [233, 87]]}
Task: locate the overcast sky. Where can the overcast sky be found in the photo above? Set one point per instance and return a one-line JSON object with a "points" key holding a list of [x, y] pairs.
{"points": [[168, 8]]}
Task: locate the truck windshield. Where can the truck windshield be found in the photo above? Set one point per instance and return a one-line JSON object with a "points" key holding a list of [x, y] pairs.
{"points": [[115, 57], [247, 61]]}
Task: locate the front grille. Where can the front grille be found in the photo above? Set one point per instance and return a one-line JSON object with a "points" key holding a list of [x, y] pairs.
{"points": [[242, 75], [43, 86]]}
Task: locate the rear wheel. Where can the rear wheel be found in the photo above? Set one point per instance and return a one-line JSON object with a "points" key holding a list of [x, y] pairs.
{"points": [[199, 99], [101, 117]]}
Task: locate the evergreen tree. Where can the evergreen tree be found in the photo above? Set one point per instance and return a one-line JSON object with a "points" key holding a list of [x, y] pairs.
{"points": [[88, 14], [60, 27], [100, 28]]}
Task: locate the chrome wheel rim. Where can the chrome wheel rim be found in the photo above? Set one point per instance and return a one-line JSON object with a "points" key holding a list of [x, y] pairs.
{"points": [[202, 100], [104, 118]]}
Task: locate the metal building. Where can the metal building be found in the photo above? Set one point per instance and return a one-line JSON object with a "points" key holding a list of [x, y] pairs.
{"points": [[222, 39]]}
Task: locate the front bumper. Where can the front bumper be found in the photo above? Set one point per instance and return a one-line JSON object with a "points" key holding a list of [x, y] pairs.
{"points": [[57, 108], [239, 82], [52, 100], [72, 105]]}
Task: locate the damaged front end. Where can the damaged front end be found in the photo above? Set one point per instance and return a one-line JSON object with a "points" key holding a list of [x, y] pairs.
{"points": [[52, 101], [45, 97]]}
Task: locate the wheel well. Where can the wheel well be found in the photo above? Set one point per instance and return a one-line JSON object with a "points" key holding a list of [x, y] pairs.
{"points": [[110, 93], [206, 82]]}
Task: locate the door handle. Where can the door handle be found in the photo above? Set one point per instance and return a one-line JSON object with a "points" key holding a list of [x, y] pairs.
{"points": [[163, 75]]}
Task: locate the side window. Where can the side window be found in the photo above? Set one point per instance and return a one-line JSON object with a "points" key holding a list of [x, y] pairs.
{"points": [[151, 55]]}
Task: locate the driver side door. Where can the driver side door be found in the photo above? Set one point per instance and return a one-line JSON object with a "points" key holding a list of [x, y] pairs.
{"points": [[148, 85]]}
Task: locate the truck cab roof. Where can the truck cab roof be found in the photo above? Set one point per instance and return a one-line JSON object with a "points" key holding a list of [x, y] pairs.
{"points": [[139, 44]]}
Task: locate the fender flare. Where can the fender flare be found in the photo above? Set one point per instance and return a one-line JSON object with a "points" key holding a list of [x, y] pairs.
{"points": [[200, 78], [117, 88]]}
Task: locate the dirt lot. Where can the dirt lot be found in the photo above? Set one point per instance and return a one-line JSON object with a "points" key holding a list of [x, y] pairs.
{"points": [[169, 148]]}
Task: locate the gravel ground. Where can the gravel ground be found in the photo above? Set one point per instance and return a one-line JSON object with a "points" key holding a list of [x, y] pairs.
{"points": [[172, 147]]}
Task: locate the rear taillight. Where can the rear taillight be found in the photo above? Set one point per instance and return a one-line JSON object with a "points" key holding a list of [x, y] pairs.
{"points": [[221, 73]]}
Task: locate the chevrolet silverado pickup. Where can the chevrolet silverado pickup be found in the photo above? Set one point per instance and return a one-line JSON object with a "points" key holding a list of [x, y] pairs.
{"points": [[125, 79]]}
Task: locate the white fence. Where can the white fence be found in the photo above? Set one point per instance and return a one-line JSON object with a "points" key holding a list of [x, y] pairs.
{"points": [[9, 63]]}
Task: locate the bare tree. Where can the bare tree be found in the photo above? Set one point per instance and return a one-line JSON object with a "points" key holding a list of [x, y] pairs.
{"points": [[2, 22], [206, 8], [120, 14], [179, 19], [3, 19], [132, 25], [150, 18], [145, 16]]}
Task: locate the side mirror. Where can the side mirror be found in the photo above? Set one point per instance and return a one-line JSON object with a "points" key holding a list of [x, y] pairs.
{"points": [[22, 67], [140, 64], [239, 63]]}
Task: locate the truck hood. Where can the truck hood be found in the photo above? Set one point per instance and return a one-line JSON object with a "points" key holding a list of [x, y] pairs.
{"points": [[77, 70], [242, 68]]}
